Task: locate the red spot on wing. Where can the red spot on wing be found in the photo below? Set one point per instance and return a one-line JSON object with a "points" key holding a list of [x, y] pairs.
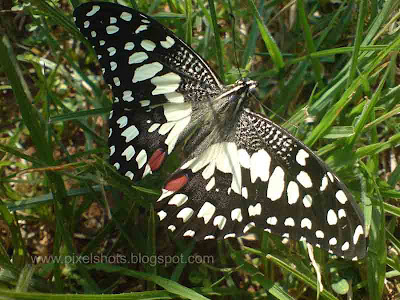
{"points": [[156, 159], [175, 184]]}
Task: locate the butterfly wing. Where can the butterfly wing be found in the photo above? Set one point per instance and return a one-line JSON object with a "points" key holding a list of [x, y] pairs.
{"points": [[264, 177], [156, 80]]}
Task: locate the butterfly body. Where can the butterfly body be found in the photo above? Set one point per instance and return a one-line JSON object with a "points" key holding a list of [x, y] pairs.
{"points": [[241, 169]]}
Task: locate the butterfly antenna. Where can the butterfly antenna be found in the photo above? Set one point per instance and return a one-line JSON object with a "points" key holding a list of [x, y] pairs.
{"points": [[234, 38]]}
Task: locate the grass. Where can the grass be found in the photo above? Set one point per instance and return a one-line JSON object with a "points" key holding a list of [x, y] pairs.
{"points": [[330, 70]]}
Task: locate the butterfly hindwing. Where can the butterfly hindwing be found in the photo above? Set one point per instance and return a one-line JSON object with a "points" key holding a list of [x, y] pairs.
{"points": [[264, 178]]}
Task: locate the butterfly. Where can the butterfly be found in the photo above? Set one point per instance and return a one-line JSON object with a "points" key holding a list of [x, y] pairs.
{"points": [[241, 169]]}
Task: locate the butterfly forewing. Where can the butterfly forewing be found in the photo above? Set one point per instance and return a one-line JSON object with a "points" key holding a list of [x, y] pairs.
{"points": [[241, 171], [145, 65]]}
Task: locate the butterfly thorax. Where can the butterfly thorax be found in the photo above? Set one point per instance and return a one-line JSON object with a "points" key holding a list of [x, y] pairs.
{"points": [[215, 119]]}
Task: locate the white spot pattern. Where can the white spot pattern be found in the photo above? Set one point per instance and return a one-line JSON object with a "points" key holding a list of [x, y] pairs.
{"points": [[293, 192], [331, 217], [93, 11], [141, 158], [148, 45], [162, 214], [255, 210], [276, 184], [167, 83], [219, 221], [304, 179], [341, 197], [129, 152], [236, 214], [185, 214], [206, 212], [130, 133], [259, 165], [168, 43], [137, 58], [146, 71], [301, 157]]}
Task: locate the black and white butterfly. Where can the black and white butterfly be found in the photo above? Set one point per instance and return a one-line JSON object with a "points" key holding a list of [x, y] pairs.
{"points": [[241, 171]]}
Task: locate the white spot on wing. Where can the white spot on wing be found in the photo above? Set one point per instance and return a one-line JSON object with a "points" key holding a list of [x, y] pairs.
{"points": [[172, 228], [276, 184], [341, 213], [117, 82], [359, 231], [345, 246], [248, 227], [113, 65], [190, 233], [141, 28], [94, 10], [289, 222], [293, 192], [148, 45], [332, 241], [162, 214], [178, 200], [307, 201], [324, 183], [210, 184], [306, 222], [301, 157], [154, 127], [185, 214], [146, 71], [166, 83], [272, 221], [219, 221], [117, 166], [129, 174], [330, 176], [168, 43], [112, 29], [304, 179], [254, 210], [165, 194], [130, 133], [141, 158], [341, 197], [260, 162], [137, 57], [209, 237], [206, 212], [245, 193], [129, 152], [229, 235], [129, 46], [174, 97], [111, 51], [236, 214], [127, 96], [112, 150], [319, 234], [126, 16], [331, 217]]}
